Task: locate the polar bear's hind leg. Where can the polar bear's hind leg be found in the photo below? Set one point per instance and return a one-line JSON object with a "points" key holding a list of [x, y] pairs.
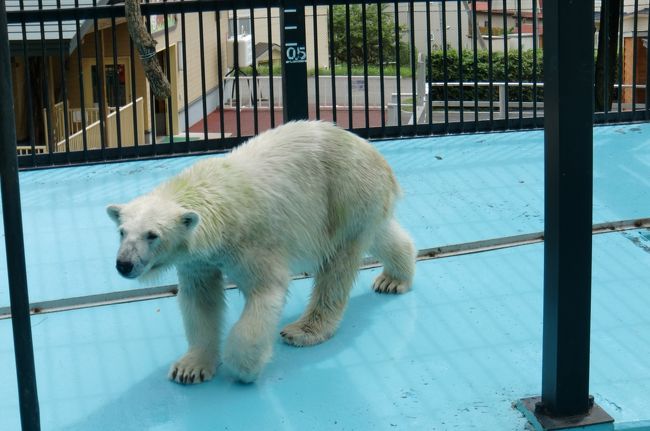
{"points": [[332, 285]]}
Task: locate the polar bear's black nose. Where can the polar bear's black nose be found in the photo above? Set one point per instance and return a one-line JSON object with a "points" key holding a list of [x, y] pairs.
{"points": [[124, 267]]}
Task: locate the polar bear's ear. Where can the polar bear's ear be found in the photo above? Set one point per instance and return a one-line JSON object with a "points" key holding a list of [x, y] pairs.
{"points": [[113, 212], [190, 220]]}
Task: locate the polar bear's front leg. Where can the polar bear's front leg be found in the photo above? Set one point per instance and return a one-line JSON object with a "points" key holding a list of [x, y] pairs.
{"points": [[201, 298], [250, 343]]}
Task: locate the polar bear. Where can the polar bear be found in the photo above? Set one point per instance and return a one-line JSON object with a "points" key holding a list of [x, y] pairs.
{"points": [[306, 196]]}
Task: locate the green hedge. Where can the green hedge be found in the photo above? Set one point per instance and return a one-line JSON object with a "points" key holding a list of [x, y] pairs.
{"points": [[482, 68]]}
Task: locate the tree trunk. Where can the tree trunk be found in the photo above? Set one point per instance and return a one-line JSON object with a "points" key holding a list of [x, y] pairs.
{"points": [[607, 47], [146, 46]]}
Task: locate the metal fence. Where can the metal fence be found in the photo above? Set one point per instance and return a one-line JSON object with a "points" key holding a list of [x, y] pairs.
{"points": [[477, 68], [382, 69]]}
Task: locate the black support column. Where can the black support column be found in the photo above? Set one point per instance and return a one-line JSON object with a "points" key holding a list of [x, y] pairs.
{"points": [[568, 141], [23, 348], [294, 60]]}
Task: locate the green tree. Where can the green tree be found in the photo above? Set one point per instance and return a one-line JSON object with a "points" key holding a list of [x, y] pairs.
{"points": [[387, 43]]}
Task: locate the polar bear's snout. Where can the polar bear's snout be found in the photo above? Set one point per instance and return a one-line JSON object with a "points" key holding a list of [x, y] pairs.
{"points": [[133, 258], [127, 263], [124, 267]]}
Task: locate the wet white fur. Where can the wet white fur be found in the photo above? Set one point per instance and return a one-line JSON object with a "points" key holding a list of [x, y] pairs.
{"points": [[306, 196]]}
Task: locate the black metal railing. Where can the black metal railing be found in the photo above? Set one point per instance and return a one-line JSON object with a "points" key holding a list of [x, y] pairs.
{"points": [[78, 113], [383, 69]]}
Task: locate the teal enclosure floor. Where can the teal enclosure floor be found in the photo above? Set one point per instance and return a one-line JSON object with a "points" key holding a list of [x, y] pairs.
{"points": [[453, 354]]}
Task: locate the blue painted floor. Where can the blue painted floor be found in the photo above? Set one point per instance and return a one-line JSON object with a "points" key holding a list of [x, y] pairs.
{"points": [[452, 354]]}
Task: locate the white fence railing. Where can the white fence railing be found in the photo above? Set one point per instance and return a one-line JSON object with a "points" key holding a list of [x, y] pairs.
{"points": [[128, 137]]}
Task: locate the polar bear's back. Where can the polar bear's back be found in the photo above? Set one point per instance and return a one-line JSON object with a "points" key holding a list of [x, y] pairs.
{"points": [[323, 173], [314, 154], [314, 145], [305, 187]]}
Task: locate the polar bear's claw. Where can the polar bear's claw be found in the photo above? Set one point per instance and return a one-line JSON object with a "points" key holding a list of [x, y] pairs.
{"points": [[300, 334], [387, 284], [192, 369]]}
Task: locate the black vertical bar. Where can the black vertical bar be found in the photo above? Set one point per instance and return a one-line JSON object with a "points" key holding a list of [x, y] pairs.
{"points": [[605, 21], [220, 77], [269, 30], [28, 82], [490, 65], [349, 62], [254, 78], [45, 78], [316, 65], [398, 66], [237, 73], [568, 117], [64, 87], [445, 65], [13, 229], [364, 17], [506, 80], [535, 35], [332, 59], [116, 96], [294, 60], [520, 82], [476, 35], [619, 92], [380, 46], [186, 111], [428, 79], [152, 100], [134, 99], [635, 53], [101, 83], [461, 87], [167, 68], [412, 62], [82, 97], [647, 75], [204, 105]]}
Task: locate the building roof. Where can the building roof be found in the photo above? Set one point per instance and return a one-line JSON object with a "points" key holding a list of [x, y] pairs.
{"points": [[263, 47], [47, 35]]}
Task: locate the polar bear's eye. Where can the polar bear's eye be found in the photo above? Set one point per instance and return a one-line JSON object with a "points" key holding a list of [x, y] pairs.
{"points": [[121, 233], [151, 236]]}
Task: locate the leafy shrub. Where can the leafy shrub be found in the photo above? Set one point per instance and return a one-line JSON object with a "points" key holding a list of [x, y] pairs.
{"points": [[480, 71]]}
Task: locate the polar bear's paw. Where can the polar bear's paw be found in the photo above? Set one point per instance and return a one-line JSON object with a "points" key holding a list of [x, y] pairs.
{"points": [[301, 334], [385, 283], [244, 359], [193, 368]]}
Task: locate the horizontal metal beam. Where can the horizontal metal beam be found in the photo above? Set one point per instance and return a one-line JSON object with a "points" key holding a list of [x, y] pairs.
{"points": [[158, 292], [192, 6]]}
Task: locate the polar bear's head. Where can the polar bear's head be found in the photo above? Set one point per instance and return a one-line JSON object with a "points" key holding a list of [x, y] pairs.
{"points": [[153, 233]]}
